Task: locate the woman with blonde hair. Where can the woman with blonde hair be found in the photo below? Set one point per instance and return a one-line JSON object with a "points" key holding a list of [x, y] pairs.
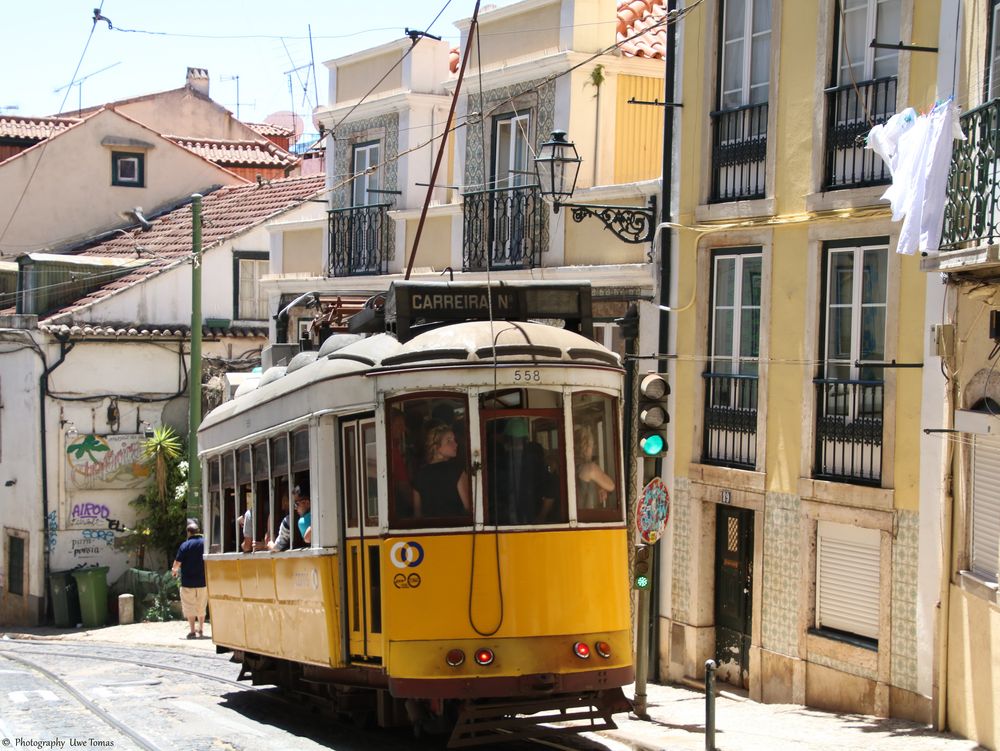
{"points": [[592, 483], [441, 487]]}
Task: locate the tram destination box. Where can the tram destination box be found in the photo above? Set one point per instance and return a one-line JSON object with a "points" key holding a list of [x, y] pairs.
{"points": [[413, 307]]}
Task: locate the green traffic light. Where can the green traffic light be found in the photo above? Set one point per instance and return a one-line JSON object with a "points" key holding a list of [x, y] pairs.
{"points": [[652, 445], [641, 582]]}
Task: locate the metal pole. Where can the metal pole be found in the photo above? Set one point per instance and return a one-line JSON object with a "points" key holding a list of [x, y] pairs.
{"points": [[709, 705], [194, 508], [642, 653]]}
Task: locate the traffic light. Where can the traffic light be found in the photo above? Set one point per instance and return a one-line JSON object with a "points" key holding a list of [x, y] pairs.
{"points": [[641, 575], [651, 441]]}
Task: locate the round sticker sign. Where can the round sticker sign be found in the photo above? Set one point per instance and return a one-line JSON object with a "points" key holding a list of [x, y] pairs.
{"points": [[653, 511]]}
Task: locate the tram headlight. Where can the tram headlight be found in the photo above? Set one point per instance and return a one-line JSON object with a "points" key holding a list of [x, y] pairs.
{"points": [[455, 657], [603, 649], [484, 656], [581, 650]]}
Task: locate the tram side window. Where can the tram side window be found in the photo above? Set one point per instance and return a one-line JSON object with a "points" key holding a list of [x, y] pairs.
{"points": [[525, 457], [263, 503], [214, 527], [244, 496], [282, 493], [228, 503], [596, 457], [301, 517], [429, 473]]}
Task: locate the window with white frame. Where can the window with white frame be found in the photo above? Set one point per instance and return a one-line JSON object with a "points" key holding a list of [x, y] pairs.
{"points": [[365, 164], [847, 579], [856, 290], [128, 169], [745, 58], [860, 22], [511, 153], [984, 514], [251, 302], [736, 276]]}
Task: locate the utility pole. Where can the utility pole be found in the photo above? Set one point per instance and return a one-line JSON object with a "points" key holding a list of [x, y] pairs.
{"points": [[194, 506]]}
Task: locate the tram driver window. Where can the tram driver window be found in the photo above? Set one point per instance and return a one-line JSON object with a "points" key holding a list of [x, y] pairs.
{"points": [[429, 472], [595, 457], [525, 457], [214, 526]]}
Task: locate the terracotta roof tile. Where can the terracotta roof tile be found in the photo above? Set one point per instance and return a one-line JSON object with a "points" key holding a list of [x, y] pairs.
{"points": [[149, 331], [34, 128], [267, 129], [635, 16], [233, 153], [226, 212]]}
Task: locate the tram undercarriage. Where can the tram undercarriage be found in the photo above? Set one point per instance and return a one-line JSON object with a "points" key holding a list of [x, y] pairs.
{"points": [[361, 696]]}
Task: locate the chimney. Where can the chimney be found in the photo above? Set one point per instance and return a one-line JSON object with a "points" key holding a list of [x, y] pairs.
{"points": [[197, 79]]}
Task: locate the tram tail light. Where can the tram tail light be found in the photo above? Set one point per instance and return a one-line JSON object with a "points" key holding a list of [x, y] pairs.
{"points": [[455, 657], [581, 650], [603, 649], [484, 656]]}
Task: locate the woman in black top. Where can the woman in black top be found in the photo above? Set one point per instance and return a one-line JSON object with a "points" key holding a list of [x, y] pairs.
{"points": [[441, 487]]}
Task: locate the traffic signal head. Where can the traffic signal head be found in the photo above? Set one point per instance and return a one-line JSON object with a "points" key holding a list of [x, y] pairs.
{"points": [[651, 441], [641, 575]]}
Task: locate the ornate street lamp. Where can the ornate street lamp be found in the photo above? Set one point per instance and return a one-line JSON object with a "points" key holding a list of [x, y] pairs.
{"points": [[557, 166]]}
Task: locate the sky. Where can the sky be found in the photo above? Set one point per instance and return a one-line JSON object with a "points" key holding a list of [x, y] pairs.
{"points": [[152, 43]]}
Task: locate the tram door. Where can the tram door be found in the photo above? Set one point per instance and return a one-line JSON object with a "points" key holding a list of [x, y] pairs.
{"points": [[364, 579]]}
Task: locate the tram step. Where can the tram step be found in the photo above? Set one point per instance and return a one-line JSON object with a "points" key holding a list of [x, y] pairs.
{"points": [[484, 722]]}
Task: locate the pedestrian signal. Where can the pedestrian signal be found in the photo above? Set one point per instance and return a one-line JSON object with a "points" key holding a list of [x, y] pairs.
{"points": [[651, 440], [641, 574]]}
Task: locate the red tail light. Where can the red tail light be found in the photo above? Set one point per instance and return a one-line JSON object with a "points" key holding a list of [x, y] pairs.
{"points": [[455, 657], [484, 656], [581, 650], [603, 649]]}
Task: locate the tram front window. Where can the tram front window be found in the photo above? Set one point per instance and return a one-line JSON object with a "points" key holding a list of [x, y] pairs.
{"points": [[525, 457], [429, 473], [595, 456]]}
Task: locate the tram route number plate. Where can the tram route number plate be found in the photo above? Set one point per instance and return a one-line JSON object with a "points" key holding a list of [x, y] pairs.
{"points": [[653, 511]]}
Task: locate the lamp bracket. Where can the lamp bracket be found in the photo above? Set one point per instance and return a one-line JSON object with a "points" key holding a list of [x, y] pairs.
{"points": [[631, 224]]}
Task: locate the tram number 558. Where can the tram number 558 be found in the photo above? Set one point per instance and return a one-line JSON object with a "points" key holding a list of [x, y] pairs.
{"points": [[522, 375]]}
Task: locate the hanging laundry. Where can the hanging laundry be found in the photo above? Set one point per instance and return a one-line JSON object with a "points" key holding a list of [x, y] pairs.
{"points": [[917, 150]]}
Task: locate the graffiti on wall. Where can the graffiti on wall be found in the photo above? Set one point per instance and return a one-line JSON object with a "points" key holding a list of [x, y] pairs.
{"points": [[98, 462]]}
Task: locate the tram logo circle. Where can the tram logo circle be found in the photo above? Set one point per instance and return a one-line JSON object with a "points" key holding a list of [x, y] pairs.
{"points": [[406, 554]]}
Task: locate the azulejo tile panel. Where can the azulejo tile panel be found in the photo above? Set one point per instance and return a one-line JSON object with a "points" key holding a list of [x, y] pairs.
{"points": [[905, 555], [781, 574], [680, 520]]}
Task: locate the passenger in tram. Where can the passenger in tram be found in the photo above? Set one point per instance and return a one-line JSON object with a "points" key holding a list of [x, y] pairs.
{"points": [[269, 540], [593, 484], [246, 531], [523, 489], [441, 487], [303, 505]]}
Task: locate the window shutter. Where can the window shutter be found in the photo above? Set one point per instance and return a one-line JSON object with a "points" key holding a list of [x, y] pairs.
{"points": [[985, 523], [847, 578]]}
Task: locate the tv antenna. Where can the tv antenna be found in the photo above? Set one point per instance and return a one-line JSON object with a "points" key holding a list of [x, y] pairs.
{"points": [[79, 84], [291, 93]]}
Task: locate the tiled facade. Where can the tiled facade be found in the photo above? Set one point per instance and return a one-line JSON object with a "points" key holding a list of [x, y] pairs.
{"points": [[385, 129], [680, 520], [781, 575], [904, 600]]}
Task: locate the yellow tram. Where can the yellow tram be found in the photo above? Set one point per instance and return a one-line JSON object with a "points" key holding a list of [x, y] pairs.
{"points": [[463, 562]]}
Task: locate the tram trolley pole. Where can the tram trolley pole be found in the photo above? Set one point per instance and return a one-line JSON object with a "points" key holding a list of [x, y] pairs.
{"points": [[710, 705]]}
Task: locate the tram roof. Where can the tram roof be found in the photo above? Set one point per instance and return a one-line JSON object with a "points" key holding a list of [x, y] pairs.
{"points": [[460, 344]]}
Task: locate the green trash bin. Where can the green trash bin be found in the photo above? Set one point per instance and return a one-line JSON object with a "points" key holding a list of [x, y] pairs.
{"points": [[65, 601], [92, 584]]}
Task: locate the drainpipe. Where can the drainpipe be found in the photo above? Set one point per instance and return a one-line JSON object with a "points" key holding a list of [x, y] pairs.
{"points": [[43, 390]]}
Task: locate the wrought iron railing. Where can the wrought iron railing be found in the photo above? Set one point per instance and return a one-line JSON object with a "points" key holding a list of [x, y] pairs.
{"points": [[503, 228], [360, 239], [730, 434], [849, 430], [852, 111], [971, 210], [739, 147]]}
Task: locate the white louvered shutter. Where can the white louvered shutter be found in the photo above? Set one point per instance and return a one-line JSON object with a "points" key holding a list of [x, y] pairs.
{"points": [[847, 578], [985, 516]]}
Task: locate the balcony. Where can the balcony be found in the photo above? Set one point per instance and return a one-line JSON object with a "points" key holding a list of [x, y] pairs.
{"points": [[504, 228], [359, 240], [730, 435], [852, 111], [849, 430], [739, 147], [971, 213]]}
